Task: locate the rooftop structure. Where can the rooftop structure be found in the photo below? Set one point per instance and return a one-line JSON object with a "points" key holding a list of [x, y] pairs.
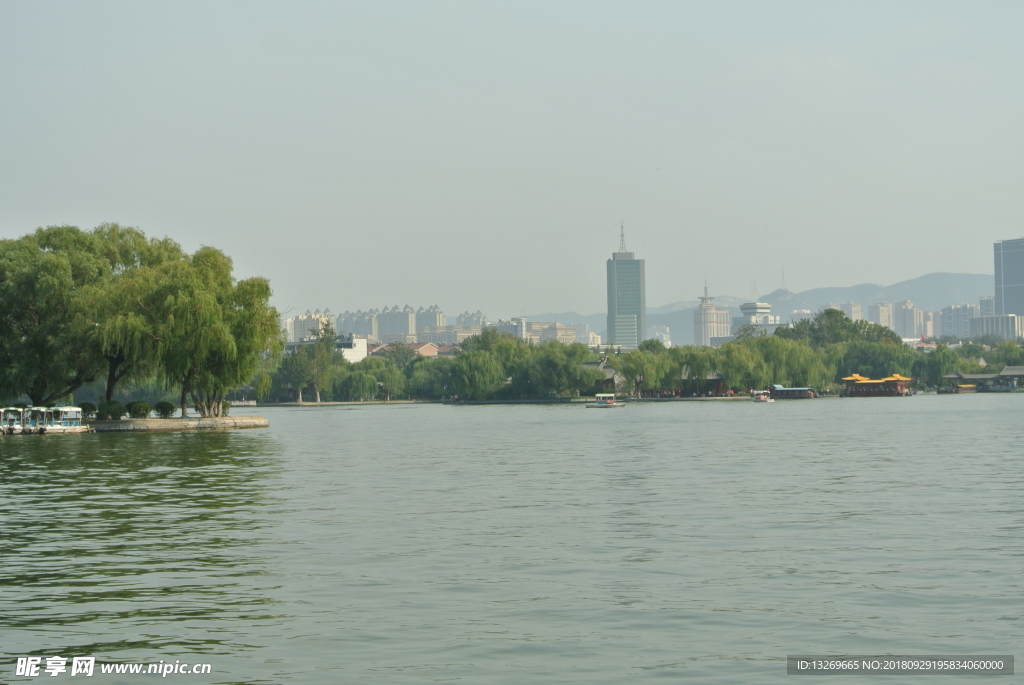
{"points": [[756, 314]]}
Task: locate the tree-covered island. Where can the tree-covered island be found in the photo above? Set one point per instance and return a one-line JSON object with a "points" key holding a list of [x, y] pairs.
{"points": [[112, 305]]}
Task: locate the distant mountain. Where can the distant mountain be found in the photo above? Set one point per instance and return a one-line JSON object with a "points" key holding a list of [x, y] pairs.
{"points": [[930, 293]]}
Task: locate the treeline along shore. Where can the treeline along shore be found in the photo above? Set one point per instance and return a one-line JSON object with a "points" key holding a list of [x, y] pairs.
{"points": [[111, 305], [815, 352]]}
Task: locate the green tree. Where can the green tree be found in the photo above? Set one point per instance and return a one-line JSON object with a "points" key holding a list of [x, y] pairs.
{"points": [[296, 373], [431, 378], [119, 323], [641, 369], [42, 276], [476, 374], [831, 326], [877, 360], [742, 367], [360, 386], [214, 330], [940, 362], [322, 360], [399, 354], [690, 366]]}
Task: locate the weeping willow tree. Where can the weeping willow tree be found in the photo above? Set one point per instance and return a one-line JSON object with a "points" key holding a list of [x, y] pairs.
{"points": [[42, 276], [214, 330], [120, 322]]}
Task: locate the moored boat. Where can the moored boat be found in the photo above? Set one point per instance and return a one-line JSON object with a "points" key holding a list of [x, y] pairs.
{"points": [[605, 400], [42, 420], [761, 396], [12, 420], [778, 392], [890, 386]]}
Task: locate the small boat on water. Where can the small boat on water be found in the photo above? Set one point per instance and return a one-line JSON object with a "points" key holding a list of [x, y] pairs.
{"points": [[605, 400], [12, 420], [42, 420], [761, 396], [778, 392]]}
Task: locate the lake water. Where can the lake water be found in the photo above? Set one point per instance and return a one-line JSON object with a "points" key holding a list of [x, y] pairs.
{"points": [[688, 541]]}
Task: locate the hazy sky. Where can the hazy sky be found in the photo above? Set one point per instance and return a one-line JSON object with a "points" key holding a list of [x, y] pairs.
{"points": [[482, 155]]}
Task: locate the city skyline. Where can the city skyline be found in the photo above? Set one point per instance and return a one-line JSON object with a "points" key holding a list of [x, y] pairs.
{"points": [[351, 148]]}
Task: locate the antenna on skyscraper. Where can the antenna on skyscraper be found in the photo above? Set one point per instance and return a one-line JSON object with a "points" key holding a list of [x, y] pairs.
{"points": [[622, 237]]}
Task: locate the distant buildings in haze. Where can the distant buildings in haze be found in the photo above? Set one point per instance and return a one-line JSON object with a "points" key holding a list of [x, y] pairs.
{"points": [[1001, 314]]}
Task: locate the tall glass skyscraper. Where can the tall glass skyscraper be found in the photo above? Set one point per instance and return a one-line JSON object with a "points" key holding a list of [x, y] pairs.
{"points": [[1009, 257], [627, 298]]}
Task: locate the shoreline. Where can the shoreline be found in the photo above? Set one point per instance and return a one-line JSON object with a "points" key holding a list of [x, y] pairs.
{"points": [[178, 424]]}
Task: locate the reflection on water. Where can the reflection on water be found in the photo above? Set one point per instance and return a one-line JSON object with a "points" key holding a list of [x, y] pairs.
{"points": [[403, 544]]}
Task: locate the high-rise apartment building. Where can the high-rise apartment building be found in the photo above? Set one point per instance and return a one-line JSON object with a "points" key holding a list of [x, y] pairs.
{"points": [[360, 323], [627, 298], [956, 321], [1009, 262], [397, 325], [472, 319], [1006, 326], [307, 325], [709, 321], [908, 321], [430, 318], [987, 305], [853, 310], [881, 313]]}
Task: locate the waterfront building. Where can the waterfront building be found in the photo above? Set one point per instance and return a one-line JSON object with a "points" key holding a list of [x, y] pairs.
{"points": [[987, 305], [956, 320], [627, 298], [756, 314], [1006, 326], [881, 313], [709, 321], [1009, 263]]}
